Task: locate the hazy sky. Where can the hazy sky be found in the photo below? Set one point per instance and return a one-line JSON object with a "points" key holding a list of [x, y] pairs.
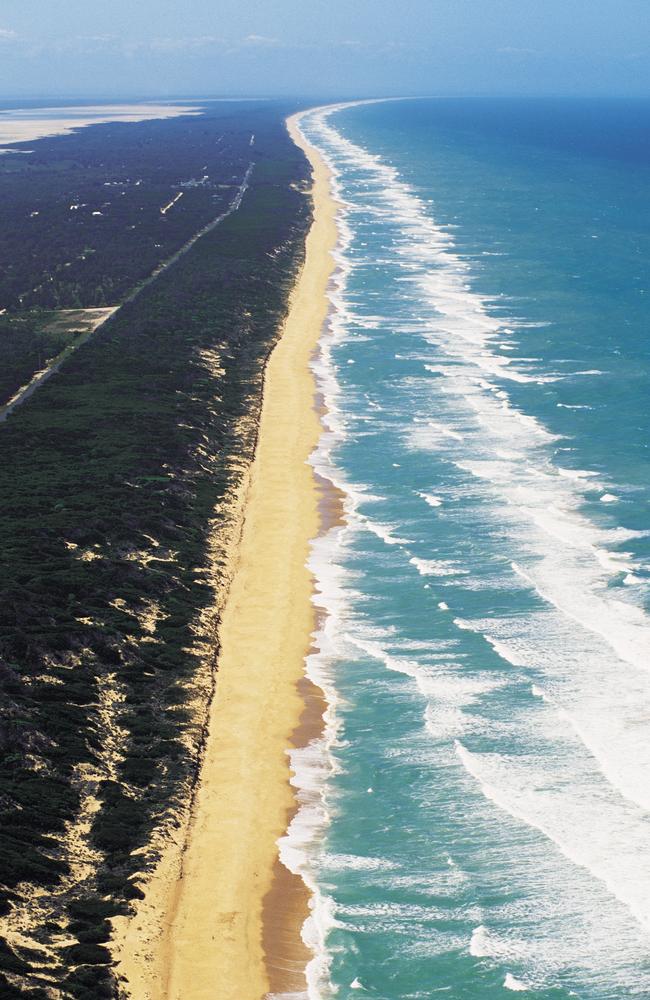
{"points": [[318, 48]]}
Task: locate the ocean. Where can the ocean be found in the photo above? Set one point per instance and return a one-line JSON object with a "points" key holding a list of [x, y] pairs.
{"points": [[475, 820]]}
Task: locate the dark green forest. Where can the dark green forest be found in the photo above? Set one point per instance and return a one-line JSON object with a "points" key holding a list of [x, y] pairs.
{"points": [[118, 492], [80, 216], [86, 218]]}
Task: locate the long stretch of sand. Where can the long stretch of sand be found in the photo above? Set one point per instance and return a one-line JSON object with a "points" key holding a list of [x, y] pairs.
{"points": [[213, 945], [29, 124]]}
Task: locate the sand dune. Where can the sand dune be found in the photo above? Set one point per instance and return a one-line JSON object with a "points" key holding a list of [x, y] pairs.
{"points": [[29, 124]]}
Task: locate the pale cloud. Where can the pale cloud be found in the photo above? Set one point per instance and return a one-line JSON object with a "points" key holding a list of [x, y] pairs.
{"points": [[120, 46], [255, 45], [183, 44], [263, 41], [511, 50], [74, 45]]}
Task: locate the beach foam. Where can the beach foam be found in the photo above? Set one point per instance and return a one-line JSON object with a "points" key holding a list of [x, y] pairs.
{"points": [[561, 679]]}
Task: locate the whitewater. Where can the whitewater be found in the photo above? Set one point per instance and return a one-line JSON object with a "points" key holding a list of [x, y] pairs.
{"points": [[475, 819]]}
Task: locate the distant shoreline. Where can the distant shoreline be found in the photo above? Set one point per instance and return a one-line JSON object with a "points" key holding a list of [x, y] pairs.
{"points": [[20, 125]]}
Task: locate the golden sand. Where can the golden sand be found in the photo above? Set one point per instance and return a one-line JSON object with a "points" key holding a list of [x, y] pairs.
{"points": [[232, 912]]}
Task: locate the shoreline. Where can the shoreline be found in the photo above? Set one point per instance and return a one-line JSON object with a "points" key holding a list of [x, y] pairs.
{"points": [[230, 919], [20, 125]]}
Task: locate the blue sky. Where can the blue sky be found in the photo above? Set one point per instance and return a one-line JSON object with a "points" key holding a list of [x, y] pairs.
{"points": [[317, 48]]}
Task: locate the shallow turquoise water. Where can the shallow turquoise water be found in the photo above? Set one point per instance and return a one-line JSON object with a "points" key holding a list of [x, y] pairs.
{"points": [[476, 821]]}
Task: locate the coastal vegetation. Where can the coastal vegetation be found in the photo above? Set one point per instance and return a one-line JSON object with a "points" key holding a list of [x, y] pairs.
{"points": [[31, 339], [85, 216], [120, 501]]}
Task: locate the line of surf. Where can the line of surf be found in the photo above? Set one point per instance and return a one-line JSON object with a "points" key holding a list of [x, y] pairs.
{"points": [[584, 547]]}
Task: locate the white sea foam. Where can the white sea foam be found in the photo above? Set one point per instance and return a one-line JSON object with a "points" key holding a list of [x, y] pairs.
{"points": [[608, 712], [288, 996], [384, 531], [512, 983], [622, 626], [487, 943], [576, 473], [567, 559], [437, 567], [431, 499], [313, 765], [357, 862], [619, 834], [589, 651], [459, 324]]}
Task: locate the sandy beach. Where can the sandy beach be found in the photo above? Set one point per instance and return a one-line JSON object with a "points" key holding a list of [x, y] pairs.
{"points": [[29, 124], [233, 917]]}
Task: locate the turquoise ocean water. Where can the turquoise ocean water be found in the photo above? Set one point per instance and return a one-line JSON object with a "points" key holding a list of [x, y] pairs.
{"points": [[476, 819]]}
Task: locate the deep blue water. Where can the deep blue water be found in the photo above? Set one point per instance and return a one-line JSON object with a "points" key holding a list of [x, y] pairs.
{"points": [[477, 820]]}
